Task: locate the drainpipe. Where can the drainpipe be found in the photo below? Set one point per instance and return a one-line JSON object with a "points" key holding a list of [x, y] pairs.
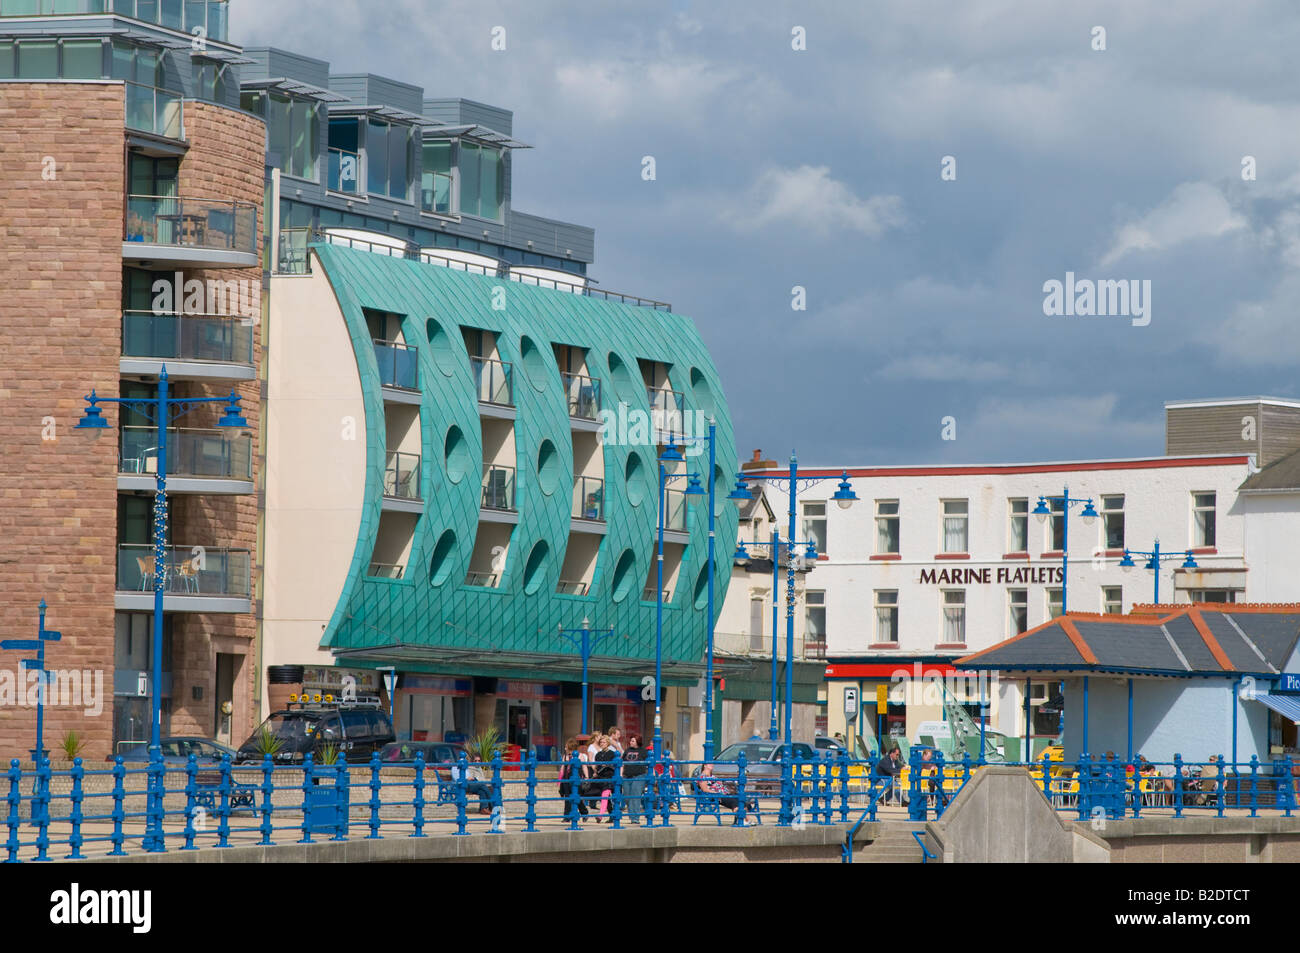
{"points": [[1236, 695]]}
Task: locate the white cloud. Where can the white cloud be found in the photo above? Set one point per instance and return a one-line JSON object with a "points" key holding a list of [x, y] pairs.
{"points": [[809, 198], [945, 367], [1082, 417], [1193, 210], [628, 89]]}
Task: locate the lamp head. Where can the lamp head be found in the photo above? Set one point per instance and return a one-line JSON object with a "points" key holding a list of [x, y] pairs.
{"points": [[1088, 514], [1189, 562], [844, 496], [811, 552], [1127, 562], [741, 491], [671, 454], [741, 555], [1041, 510], [694, 487], [93, 418], [232, 416]]}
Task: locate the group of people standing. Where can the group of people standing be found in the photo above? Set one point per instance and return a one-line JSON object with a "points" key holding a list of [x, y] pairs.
{"points": [[592, 780]]}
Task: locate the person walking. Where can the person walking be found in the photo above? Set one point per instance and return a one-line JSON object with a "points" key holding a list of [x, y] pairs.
{"points": [[603, 774], [634, 770], [571, 779]]}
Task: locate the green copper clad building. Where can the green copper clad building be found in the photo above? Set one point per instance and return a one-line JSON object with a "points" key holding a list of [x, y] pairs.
{"points": [[463, 434]]}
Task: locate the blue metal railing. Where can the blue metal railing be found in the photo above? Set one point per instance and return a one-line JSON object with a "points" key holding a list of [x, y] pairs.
{"points": [[80, 811]]}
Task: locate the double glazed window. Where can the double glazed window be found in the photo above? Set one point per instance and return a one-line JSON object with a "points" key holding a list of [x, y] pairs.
{"points": [[1056, 528], [1112, 521], [52, 59], [1018, 527], [1203, 520], [814, 525], [293, 135], [956, 523], [1018, 608], [886, 605], [1112, 600], [1055, 602], [388, 159], [814, 633], [886, 527], [438, 178], [954, 616], [482, 182]]}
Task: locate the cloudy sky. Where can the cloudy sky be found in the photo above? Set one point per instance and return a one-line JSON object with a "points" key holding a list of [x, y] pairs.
{"points": [[821, 168]]}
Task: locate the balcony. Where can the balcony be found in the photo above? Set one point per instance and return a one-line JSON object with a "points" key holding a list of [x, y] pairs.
{"points": [[484, 580], [667, 409], [385, 571], [192, 346], [398, 370], [344, 171], [583, 394], [195, 579], [589, 499], [198, 461], [567, 587], [402, 482], [674, 511], [210, 16], [156, 112], [649, 595], [189, 232], [498, 488], [494, 381]]}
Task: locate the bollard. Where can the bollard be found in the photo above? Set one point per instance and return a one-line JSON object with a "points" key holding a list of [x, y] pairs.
{"points": [[1222, 786], [530, 815], [1047, 776], [119, 795], [268, 789], [191, 799], [223, 809], [306, 799], [418, 803], [342, 797], [375, 802], [13, 820], [462, 786]]}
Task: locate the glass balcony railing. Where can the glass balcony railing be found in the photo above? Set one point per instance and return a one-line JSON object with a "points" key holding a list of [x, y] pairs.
{"points": [[402, 476], [385, 570], [567, 587], [186, 570], [184, 16], [666, 412], [498, 488], [494, 380], [584, 395], [589, 498], [435, 192], [215, 224], [649, 595], [294, 259], [397, 365], [211, 454], [155, 111], [344, 171], [187, 337], [675, 510]]}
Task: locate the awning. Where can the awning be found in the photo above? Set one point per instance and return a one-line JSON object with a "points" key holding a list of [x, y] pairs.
{"points": [[295, 88], [477, 133], [1288, 706]]}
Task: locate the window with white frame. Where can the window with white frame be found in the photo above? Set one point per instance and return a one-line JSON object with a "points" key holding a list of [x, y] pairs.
{"points": [[954, 616], [886, 527], [1017, 611], [1112, 600], [814, 525], [956, 526], [1203, 520], [1055, 602], [1112, 521], [886, 603], [1056, 526], [1018, 527], [814, 623]]}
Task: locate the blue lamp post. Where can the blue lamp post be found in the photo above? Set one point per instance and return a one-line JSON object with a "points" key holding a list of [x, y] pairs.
{"points": [[844, 497], [586, 642], [161, 410], [1043, 511], [1154, 557]]}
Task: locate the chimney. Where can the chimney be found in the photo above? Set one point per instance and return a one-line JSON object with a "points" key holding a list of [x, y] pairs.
{"points": [[758, 463]]}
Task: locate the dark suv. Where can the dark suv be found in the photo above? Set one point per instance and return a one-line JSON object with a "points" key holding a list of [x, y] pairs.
{"points": [[356, 730]]}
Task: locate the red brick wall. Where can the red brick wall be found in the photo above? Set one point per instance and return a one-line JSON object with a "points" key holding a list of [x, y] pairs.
{"points": [[60, 334], [225, 161]]}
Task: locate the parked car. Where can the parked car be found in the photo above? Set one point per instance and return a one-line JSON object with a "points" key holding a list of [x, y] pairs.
{"points": [[762, 763], [177, 750], [435, 752], [355, 730]]}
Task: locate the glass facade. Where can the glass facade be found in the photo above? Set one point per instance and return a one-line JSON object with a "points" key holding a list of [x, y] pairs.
{"points": [[482, 181], [292, 132], [200, 17]]}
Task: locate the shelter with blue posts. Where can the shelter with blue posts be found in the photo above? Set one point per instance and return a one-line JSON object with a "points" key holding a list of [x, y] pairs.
{"points": [[1197, 681]]}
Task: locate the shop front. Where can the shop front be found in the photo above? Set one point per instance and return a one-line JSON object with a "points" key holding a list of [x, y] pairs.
{"points": [[528, 716], [433, 708], [616, 706]]}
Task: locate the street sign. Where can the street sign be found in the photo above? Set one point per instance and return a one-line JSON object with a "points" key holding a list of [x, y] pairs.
{"points": [[20, 644], [1288, 684], [882, 699], [850, 703]]}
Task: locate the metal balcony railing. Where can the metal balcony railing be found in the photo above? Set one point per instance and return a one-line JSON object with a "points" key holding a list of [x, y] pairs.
{"points": [[158, 112], [498, 488], [212, 454], [186, 570], [294, 259], [397, 364], [648, 595], [188, 337], [589, 498], [584, 395], [487, 580], [385, 570], [215, 224], [344, 171], [402, 476], [667, 413], [567, 587], [494, 381]]}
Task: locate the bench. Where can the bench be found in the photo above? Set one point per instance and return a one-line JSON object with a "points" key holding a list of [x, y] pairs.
{"points": [[709, 804], [207, 790]]}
